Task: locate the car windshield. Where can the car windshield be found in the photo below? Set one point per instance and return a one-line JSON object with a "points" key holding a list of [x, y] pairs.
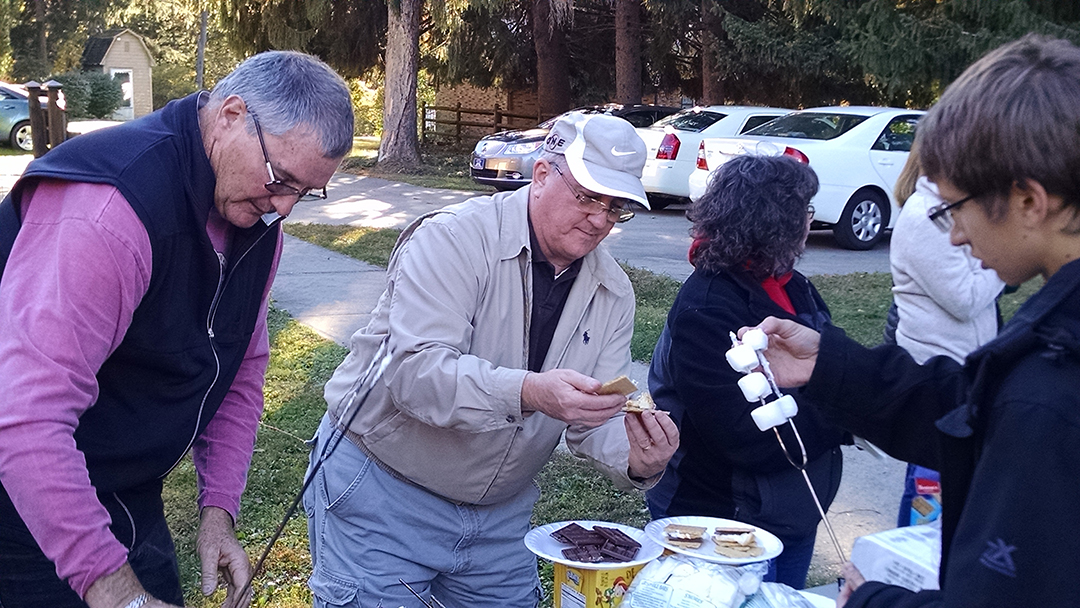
{"points": [[809, 125], [690, 120]]}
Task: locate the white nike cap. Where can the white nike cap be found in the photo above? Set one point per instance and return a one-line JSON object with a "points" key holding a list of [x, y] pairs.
{"points": [[604, 153]]}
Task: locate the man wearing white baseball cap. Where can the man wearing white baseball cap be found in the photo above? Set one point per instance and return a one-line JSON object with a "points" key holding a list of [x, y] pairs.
{"points": [[503, 319]]}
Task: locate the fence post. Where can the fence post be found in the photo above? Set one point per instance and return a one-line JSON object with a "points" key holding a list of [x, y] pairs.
{"points": [[57, 116], [457, 124], [496, 119], [37, 118]]}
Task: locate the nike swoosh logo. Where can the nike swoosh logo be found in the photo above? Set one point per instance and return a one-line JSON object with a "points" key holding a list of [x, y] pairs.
{"points": [[615, 152]]}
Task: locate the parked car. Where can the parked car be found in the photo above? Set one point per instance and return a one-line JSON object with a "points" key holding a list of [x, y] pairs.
{"points": [[673, 142], [505, 160], [857, 152], [15, 117]]}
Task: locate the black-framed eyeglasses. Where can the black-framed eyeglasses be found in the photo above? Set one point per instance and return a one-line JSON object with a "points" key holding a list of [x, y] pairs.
{"points": [[941, 214], [592, 205], [277, 187], [810, 211]]}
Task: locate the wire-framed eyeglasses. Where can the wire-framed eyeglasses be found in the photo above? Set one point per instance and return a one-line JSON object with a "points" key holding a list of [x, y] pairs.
{"points": [[277, 187], [592, 205], [941, 214]]}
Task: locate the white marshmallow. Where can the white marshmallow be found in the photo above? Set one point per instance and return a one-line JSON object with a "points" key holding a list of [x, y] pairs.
{"points": [[757, 339], [742, 358], [768, 416], [754, 386], [788, 406]]}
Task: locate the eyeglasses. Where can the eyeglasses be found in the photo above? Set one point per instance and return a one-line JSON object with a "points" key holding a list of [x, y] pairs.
{"points": [[941, 214], [277, 187], [591, 205], [810, 211]]}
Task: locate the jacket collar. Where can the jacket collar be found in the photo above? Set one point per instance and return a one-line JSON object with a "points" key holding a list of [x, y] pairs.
{"points": [[1047, 320]]}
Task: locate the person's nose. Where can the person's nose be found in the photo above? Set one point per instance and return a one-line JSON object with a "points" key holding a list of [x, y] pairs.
{"points": [[956, 234], [600, 219], [283, 204]]}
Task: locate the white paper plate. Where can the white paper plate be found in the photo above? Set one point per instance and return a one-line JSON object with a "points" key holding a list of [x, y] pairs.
{"points": [[540, 542], [707, 551]]}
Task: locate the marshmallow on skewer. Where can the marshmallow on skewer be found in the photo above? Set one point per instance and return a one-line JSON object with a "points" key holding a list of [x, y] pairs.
{"points": [[742, 358], [787, 406], [756, 339], [768, 416], [754, 386]]}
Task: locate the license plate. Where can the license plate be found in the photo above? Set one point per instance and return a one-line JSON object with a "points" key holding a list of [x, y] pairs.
{"points": [[477, 163]]}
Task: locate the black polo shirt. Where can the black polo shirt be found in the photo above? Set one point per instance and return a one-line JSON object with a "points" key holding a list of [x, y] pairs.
{"points": [[549, 298]]}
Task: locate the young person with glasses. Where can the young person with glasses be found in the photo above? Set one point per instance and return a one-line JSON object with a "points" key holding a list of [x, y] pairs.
{"points": [[1003, 146], [137, 262]]}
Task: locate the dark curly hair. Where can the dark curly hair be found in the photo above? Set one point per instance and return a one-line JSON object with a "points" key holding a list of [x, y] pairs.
{"points": [[752, 217]]}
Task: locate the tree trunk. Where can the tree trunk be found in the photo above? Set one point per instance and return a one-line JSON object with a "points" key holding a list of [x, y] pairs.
{"points": [[712, 90], [552, 60], [399, 149], [200, 50], [628, 51], [43, 44]]}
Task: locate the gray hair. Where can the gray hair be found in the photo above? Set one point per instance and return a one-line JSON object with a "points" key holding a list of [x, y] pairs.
{"points": [[1012, 116], [287, 89], [752, 216]]}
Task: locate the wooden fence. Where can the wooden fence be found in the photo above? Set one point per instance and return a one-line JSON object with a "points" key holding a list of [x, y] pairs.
{"points": [[435, 124]]}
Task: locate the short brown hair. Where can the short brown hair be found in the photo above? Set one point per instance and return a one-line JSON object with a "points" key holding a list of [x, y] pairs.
{"points": [[1012, 116]]}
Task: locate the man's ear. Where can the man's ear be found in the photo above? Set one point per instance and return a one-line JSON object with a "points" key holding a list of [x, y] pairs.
{"points": [[231, 114], [541, 173]]}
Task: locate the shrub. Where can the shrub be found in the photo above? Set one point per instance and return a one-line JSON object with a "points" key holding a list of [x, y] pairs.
{"points": [[90, 94]]}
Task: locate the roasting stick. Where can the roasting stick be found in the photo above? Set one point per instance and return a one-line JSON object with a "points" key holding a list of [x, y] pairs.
{"points": [[769, 415], [360, 390]]}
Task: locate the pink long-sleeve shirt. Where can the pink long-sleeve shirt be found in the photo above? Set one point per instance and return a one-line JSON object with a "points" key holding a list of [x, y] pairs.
{"points": [[78, 270]]}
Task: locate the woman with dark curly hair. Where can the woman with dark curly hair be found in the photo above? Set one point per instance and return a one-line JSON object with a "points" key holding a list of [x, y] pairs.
{"points": [[749, 228]]}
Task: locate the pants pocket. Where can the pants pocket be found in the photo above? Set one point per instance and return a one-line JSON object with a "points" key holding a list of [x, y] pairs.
{"points": [[330, 590]]}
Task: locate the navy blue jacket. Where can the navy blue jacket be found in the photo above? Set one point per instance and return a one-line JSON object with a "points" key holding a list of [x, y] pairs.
{"points": [[724, 466], [190, 332], [1003, 429]]}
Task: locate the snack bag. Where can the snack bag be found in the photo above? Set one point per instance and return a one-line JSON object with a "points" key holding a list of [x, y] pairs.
{"points": [[680, 581]]}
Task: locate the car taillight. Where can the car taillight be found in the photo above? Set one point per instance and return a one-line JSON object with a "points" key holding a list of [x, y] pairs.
{"points": [[701, 164], [799, 156], [669, 148]]}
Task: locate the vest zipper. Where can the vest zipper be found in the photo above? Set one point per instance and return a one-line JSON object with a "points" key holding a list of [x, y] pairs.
{"points": [[223, 280]]}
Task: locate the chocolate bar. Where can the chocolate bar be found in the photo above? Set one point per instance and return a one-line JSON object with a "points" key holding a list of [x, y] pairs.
{"points": [[617, 537], [589, 554], [619, 553], [565, 533]]}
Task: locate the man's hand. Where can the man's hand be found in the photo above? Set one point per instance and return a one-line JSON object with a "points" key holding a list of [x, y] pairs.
{"points": [[653, 439], [569, 396], [792, 351], [219, 550], [853, 579], [118, 589]]}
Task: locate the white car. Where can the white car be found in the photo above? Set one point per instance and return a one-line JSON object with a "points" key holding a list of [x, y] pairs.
{"points": [[857, 153], [672, 145]]}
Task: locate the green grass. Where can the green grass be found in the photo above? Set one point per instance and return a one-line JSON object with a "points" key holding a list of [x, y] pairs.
{"points": [[7, 150], [371, 245], [441, 166]]}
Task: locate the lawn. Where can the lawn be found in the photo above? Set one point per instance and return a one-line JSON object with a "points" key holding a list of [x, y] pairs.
{"points": [[301, 362]]}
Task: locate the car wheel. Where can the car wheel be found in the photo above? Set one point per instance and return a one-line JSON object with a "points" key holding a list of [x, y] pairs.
{"points": [[20, 137], [862, 224]]}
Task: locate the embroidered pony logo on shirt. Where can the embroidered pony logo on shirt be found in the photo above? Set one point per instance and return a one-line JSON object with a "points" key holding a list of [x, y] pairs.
{"points": [[585, 337], [998, 557]]}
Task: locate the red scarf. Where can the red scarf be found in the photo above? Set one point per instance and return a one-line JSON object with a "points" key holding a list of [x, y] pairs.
{"points": [[774, 286]]}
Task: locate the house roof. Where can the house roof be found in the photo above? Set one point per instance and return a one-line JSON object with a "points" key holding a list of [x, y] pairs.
{"points": [[98, 46]]}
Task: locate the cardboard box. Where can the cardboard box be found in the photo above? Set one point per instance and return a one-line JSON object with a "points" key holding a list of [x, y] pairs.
{"points": [[908, 557], [586, 588]]}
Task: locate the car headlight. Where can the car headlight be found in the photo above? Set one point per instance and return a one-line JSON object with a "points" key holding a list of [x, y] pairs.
{"points": [[526, 148]]}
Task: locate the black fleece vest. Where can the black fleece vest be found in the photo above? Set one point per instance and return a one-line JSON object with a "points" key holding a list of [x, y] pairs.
{"points": [[188, 336]]}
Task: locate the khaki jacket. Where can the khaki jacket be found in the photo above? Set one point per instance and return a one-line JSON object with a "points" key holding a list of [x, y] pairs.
{"points": [[446, 415]]}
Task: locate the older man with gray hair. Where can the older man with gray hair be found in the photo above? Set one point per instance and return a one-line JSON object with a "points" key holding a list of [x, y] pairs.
{"points": [[502, 318], [136, 263]]}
